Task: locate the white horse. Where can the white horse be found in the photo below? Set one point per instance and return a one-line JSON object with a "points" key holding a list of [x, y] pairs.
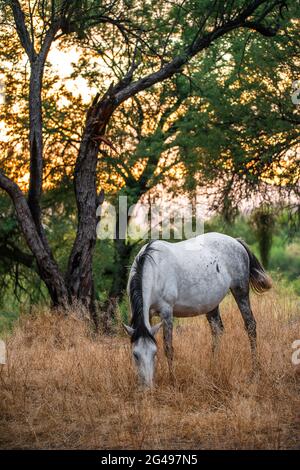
{"points": [[185, 279]]}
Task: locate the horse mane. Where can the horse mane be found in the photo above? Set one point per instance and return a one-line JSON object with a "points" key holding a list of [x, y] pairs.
{"points": [[136, 296]]}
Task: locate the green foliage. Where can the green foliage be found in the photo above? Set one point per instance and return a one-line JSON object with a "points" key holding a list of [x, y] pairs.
{"points": [[285, 260], [7, 321], [239, 129], [219, 118]]}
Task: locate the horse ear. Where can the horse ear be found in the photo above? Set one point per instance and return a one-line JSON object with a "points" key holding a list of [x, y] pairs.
{"points": [[155, 328], [128, 329]]}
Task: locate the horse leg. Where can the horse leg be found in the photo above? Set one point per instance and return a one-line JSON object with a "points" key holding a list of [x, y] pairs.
{"points": [[216, 326], [166, 315], [241, 296]]}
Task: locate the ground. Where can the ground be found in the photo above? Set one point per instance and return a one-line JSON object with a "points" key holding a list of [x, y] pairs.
{"points": [[64, 388]]}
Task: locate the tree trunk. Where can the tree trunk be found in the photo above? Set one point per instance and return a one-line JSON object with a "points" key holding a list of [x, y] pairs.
{"points": [[79, 276], [35, 142]]}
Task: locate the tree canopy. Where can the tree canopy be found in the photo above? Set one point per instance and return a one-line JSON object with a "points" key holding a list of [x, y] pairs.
{"points": [[194, 92]]}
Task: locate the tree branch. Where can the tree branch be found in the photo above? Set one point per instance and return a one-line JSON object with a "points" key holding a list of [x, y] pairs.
{"points": [[260, 28], [23, 213], [22, 30], [201, 43], [13, 253], [47, 266]]}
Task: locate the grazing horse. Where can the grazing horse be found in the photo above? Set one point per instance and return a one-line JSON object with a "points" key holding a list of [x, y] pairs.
{"points": [[185, 279]]}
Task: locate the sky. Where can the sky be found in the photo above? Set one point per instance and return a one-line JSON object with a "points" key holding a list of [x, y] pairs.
{"points": [[61, 62]]}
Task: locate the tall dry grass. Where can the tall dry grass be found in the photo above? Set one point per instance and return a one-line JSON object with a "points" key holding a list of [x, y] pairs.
{"points": [[63, 388]]}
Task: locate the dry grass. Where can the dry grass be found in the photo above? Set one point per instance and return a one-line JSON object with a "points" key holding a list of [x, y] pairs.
{"points": [[61, 388]]}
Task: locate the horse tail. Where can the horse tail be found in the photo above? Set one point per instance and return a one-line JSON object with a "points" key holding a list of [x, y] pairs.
{"points": [[259, 280], [136, 295]]}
